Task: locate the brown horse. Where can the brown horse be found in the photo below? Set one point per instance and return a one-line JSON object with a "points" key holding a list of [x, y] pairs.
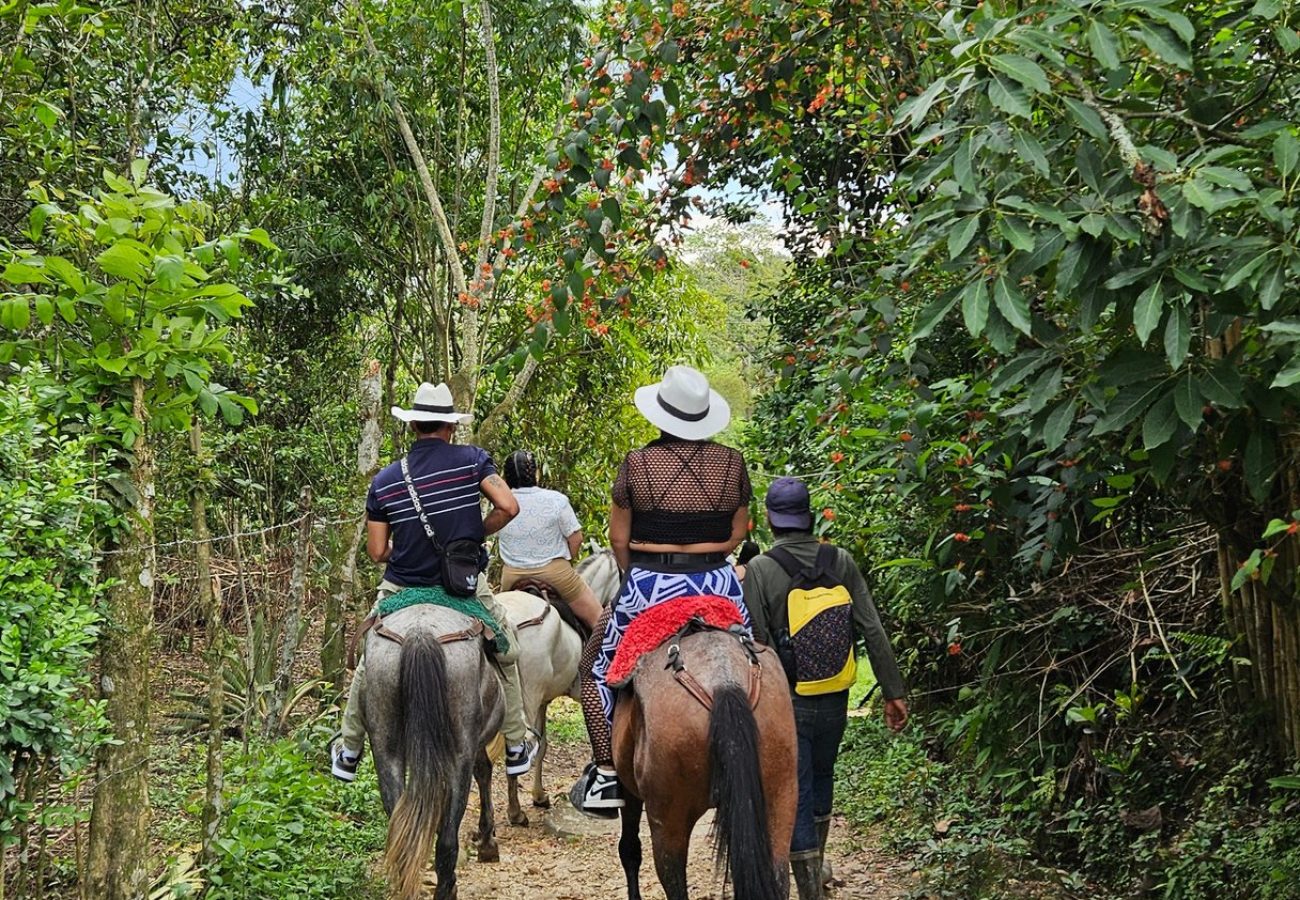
{"points": [[677, 757]]}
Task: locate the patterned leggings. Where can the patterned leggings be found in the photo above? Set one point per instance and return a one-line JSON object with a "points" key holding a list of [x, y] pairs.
{"points": [[642, 589]]}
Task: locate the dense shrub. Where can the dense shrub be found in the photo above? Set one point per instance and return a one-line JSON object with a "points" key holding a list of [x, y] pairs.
{"points": [[291, 832], [48, 592]]}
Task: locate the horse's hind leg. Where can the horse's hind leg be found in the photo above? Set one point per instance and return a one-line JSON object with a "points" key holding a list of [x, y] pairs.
{"points": [[540, 798], [514, 812], [670, 840], [486, 836], [629, 847], [447, 848]]}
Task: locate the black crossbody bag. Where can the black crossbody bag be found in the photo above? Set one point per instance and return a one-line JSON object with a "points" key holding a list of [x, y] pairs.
{"points": [[460, 558]]}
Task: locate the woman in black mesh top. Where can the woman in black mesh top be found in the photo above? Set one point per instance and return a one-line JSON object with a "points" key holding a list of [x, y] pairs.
{"points": [[681, 504]]}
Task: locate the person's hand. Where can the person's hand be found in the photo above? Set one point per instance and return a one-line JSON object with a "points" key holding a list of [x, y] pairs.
{"points": [[895, 714]]}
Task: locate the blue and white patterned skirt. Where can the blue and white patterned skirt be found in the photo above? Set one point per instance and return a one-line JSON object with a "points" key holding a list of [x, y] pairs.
{"points": [[644, 588]]}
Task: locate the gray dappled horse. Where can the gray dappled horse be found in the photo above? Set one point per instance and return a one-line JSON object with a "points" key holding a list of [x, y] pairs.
{"points": [[431, 709], [549, 651]]}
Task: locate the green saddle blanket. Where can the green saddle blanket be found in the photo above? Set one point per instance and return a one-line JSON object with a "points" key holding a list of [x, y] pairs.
{"points": [[438, 596]]}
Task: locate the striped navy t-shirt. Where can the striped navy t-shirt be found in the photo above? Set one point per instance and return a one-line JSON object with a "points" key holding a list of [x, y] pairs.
{"points": [[447, 478]]}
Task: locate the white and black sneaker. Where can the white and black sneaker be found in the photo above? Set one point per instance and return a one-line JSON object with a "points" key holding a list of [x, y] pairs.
{"points": [[603, 791], [519, 759], [343, 763]]}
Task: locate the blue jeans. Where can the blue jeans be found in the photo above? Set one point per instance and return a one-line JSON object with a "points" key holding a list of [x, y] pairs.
{"points": [[819, 726]]}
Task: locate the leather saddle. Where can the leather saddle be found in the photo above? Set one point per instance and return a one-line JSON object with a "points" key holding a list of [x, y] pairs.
{"points": [[546, 591]]}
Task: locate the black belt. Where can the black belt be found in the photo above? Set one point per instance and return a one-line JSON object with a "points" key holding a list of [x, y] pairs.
{"points": [[678, 559]]}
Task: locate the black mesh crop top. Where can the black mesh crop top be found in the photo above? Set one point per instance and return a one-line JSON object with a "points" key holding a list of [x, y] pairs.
{"points": [[682, 492]]}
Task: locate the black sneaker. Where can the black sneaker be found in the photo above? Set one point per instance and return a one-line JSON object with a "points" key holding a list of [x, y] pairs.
{"points": [[603, 792], [343, 765], [520, 759], [582, 788]]}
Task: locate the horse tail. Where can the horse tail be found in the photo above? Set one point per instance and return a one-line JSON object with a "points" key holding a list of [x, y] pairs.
{"points": [[740, 836], [424, 728]]}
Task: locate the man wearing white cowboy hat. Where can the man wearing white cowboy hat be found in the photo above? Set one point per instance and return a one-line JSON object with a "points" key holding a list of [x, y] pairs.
{"points": [[448, 480]]}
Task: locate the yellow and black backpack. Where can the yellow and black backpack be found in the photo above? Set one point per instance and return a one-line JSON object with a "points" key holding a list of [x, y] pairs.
{"points": [[814, 632]]}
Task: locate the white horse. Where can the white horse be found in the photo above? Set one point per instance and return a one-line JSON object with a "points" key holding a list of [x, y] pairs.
{"points": [[549, 651]]}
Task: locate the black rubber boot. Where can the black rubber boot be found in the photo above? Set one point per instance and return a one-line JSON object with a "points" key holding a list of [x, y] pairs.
{"points": [[808, 876], [823, 832]]}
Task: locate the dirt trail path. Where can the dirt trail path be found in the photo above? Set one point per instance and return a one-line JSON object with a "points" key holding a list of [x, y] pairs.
{"points": [[549, 859]]}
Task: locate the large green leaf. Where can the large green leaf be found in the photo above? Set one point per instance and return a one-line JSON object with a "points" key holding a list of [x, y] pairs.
{"points": [[1221, 384], [1011, 303], [1023, 70], [1102, 44], [1188, 401], [1058, 425], [913, 112], [122, 260], [1031, 151], [1087, 118], [959, 237], [1260, 463], [1148, 310], [1286, 152], [1165, 44], [1289, 375], [975, 306], [1009, 97], [933, 314], [1016, 233], [1126, 406], [1160, 422], [1178, 335]]}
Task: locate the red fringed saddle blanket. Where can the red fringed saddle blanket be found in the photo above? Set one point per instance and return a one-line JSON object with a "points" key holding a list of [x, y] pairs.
{"points": [[658, 623]]}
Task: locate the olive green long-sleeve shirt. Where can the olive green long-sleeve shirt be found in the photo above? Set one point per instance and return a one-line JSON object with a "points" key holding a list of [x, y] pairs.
{"points": [[766, 586]]}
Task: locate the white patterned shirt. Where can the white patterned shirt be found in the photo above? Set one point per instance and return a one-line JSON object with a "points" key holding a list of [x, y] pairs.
{"points": [[539, 533]]}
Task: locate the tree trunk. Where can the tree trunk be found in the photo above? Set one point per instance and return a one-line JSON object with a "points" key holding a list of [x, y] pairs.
{"points": [[293, 617], [1266, 619], [118, 863], [343, 568], [215, 652], [1265, 613]]}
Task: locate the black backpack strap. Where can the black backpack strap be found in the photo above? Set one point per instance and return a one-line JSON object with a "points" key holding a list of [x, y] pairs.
{"points": [[785, 559], [824, 565]]}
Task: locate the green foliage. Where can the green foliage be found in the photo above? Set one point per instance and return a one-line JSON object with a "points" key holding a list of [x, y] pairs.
{"points": [[1119, 250], [120, 290], [291, 831], [48, 602]]}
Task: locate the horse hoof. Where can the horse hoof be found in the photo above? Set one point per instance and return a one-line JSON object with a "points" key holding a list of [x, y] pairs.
{"points": [[489, 853], [518, 818], [542, 802]]}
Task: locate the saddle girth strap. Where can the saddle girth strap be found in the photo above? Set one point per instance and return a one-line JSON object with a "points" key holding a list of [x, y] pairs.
{"points": [[375, 623]]}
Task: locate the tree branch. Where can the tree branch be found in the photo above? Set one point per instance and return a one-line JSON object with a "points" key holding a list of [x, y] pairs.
{"points": [[486, 430], [473, 339], [417, 156]]}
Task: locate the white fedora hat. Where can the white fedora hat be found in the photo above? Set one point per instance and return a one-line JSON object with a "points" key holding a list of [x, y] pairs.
{"points": [[684, 405], [433, 403]]}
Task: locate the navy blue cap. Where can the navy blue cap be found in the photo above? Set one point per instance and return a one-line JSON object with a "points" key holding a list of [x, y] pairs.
{"points": [[788, 505]]}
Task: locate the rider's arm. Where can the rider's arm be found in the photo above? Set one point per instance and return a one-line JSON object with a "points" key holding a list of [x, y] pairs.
{"points": [[504, 505], [377, 541], [739, 528], [620, 535], [575, 543], [866, 621]]}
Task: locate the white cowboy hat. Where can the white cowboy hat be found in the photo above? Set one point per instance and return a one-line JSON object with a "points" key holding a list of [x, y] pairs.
{"points": [[433, 403], [684, 405]]}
